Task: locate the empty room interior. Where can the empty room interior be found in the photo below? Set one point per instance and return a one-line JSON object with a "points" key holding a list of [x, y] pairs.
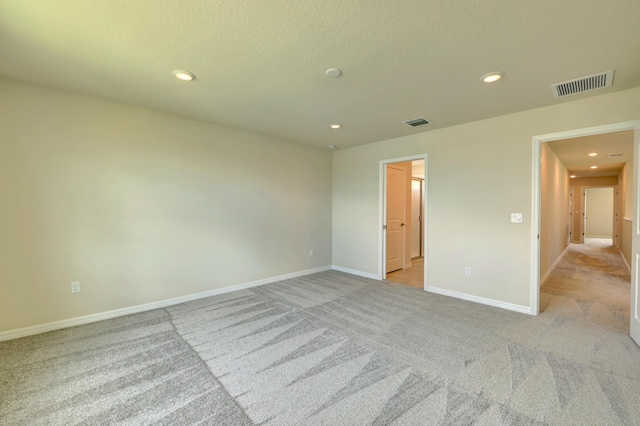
{"points": [[277, 213]]}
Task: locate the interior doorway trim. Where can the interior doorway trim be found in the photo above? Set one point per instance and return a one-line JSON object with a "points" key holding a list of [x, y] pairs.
{"points": [[583, 208], [535, 204], [382, 202]]}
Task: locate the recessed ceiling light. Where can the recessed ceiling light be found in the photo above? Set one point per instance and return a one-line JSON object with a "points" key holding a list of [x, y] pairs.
{"points": [[331, 147], [492, 77], [572, 176], [333, 72], [594, 167], [336, 126], [183, 75], [592, 154]]}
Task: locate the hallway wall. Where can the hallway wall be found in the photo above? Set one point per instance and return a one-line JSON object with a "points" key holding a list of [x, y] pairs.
{"points": [[554, 208]]}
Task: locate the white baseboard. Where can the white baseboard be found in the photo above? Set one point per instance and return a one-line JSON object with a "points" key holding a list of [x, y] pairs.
{"points": [[481, 300], [546, 274], [355, 272], [71, 322], [626, 264]]}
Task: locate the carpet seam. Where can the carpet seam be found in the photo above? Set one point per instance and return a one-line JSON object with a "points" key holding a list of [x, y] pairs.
{"points": [[204, 363]]}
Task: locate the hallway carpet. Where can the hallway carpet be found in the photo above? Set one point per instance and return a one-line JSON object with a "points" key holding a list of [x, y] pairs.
{"points": [[325, 349], [590, 283]]}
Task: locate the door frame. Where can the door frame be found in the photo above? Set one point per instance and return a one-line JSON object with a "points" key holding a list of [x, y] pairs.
{"points": [[421, 248], [571, 207], [583, 207], [538, 140], [382, 204]]}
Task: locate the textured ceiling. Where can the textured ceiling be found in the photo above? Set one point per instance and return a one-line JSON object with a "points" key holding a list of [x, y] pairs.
{"points": [[573, 153], [260, 64]]}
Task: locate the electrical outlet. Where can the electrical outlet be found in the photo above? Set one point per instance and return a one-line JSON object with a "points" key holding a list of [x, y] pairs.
{"points": [[311, 252], [467, 270], [75, 287]]}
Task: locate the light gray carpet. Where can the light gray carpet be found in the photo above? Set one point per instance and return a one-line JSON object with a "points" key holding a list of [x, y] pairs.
{"points": [[591, 283], [326, 349]]}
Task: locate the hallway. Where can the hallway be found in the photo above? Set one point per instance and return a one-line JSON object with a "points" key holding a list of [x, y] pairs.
{"points": [[591, 283]]}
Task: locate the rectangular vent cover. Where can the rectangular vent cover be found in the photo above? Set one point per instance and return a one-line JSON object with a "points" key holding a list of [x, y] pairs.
{"points": [[581, 85], [417, 121], [615, 155]]}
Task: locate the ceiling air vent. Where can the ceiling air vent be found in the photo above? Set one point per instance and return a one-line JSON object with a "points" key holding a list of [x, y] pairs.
{"points": [[417, 122], [615, 155], [581, 85]]}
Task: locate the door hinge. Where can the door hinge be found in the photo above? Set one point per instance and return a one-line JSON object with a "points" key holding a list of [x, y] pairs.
{"points": [[384, 226]]}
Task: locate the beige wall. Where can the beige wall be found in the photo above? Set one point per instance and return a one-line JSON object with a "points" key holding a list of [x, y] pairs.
{"points": [[141, 206], [594, 181], [554, 208], [599, 212], [478, 173]]}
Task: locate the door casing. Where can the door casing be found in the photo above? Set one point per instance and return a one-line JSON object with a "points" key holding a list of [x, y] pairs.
{"points": [[382, 197], [535, 215]]}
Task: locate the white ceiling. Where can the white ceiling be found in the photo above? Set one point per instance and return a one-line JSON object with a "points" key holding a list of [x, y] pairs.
{"points": [[573, 153], [260, 64]]}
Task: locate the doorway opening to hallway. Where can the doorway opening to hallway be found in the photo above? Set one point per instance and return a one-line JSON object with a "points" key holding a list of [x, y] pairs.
{"points": [[403, 217], [586, 192]]}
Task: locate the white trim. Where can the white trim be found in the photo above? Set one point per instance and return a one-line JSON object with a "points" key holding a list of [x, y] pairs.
{"points": [[382, 218], [546, 275], [481, 300], [634, 292], [626, 264], [86, 319], [355, 272], [534, 285], [535, 195], [588, 131]]}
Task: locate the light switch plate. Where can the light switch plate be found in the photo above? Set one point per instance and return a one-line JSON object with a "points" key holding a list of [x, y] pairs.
{"points": [[516, 217]]}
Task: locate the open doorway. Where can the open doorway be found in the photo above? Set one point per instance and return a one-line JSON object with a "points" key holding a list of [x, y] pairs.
{"points": [[403, 217], [590, 277], [600, 216]]}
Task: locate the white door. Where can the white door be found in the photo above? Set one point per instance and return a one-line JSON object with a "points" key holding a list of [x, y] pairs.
{"points": [[635, 242], [396, 216]]}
